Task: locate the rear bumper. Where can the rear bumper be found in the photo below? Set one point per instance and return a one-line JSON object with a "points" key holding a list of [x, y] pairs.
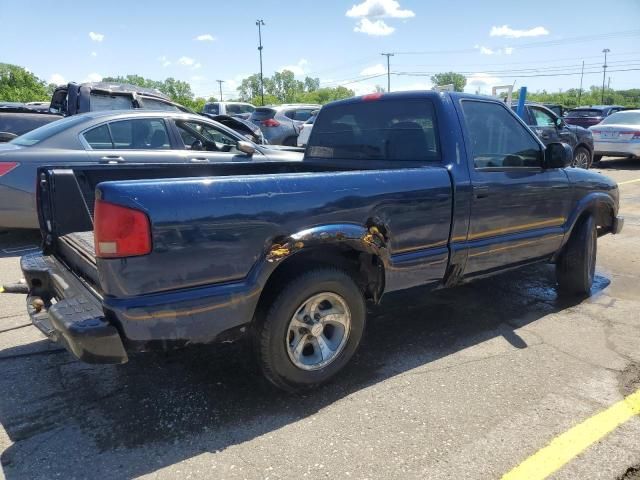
{"points": [[72, 316], [617, 149]]}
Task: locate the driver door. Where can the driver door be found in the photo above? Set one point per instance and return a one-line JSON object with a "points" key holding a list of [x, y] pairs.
{"points": [[204, 143]]}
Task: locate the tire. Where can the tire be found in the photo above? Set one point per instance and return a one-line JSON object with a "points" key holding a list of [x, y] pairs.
{"points": [[575, 268], [278, 333], [581, 158]]}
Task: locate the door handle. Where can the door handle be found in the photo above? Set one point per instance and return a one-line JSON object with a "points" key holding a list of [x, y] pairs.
{"points": [[199, 160], [112, 159], [481, 191]]}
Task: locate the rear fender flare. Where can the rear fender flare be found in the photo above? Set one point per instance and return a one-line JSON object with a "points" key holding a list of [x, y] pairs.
{"points": [[370, 238]]}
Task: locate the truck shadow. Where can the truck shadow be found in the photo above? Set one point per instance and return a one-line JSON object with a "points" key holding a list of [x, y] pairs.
{"points": [[617, 164], [160, 409]]}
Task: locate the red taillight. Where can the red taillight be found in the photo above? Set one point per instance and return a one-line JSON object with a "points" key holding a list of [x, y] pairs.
{"points": [[371, 97], [6, 167], [120, 231], [270, 122]]}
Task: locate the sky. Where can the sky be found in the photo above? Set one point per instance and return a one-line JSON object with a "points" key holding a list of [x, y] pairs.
{"points": [[540, 45]]}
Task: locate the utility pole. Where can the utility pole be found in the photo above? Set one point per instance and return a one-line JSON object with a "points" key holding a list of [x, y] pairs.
{"points": [[260, 24], [604, 71], [220, 82], [388, 70], [581, 76]]}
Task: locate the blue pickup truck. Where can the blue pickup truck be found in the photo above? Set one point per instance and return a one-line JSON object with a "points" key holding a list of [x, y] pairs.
{"points": [[395, 191]]}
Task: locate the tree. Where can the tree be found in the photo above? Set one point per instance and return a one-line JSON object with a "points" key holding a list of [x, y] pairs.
{"points": [[19, 85], [456, 79]]}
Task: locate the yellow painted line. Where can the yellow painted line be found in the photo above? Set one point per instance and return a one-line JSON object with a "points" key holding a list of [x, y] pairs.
{"points": [[568, 445], [1, 289], [629, 181]]}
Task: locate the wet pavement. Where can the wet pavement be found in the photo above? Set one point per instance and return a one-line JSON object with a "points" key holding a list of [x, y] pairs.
{"points": [[462, 383]]}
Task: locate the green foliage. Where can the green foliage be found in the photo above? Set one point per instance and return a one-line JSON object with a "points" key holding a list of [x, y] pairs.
{"points": [[19, 85], [456, 79], [283, 87], [592, 96]]}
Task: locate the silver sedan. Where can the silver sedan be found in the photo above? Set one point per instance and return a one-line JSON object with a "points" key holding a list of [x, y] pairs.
{"points": [[618, 135], [114, 138]]}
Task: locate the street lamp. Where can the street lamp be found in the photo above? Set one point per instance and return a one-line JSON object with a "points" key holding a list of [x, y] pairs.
{"points": [[604, 71], [260, 24]]}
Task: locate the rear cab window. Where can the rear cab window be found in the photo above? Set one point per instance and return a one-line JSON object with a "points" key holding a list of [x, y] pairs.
{"points": [[101, 102], [262, 114], [584, 113], [384, 129]]}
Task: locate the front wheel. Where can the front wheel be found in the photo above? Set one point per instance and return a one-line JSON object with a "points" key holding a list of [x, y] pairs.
{"points": [[311, 330], [575, 268], [581, 158]]}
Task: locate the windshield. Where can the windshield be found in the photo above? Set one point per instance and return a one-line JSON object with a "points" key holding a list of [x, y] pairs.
{"points": [[211, 108], [47, 131], [584, 113], [623, 118]]}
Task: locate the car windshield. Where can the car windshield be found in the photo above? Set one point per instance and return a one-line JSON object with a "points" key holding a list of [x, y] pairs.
{"points": [[211, 108], [584, 113], [623, 118], [39, 134]]}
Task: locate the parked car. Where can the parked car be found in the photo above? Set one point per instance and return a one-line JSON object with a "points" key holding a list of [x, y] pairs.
{"points": [[242, 126], [240, 109], [305, 129], [72, 99], [281, 124], [551, 128], [110, 138], [288, 252], [17, 119], [618, 135], [588, 116]]}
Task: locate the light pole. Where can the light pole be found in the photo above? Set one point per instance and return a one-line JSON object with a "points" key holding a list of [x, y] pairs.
{"points": [[220, 82], [604, 71], [388, 70], [260, 24]]}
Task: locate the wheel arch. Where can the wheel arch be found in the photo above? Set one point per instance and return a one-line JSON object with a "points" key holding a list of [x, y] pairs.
{"points": [[359, 250], [597, 204]]}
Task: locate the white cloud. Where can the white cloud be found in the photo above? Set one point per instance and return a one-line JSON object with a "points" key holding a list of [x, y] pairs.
{"points": [[94, 54], [205, 37], [379, 8], [377, 28], [197, 66], [93, 77], [506, 31], [488, 51], [164, 61], [96, 37], [186, 61], [377, 69], [57, 79], [297, 69]]}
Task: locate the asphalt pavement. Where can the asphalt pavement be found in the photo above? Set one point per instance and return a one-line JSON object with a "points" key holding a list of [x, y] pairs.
{"points": [[462, 383]]}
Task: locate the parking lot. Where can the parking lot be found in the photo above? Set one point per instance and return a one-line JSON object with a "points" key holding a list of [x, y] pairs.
{"points": [[463, 383]]}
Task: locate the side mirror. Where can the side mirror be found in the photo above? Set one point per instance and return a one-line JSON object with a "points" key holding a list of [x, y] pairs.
{"points": [[7, 136], [246, 147], [559, 122], [197, 145], [558, 155]]}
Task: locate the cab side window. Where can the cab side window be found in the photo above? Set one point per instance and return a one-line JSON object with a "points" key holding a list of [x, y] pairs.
{"points": [[542, 118], [497, 139]]}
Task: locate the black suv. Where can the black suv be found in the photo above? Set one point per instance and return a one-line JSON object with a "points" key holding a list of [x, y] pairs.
{"points": [[551, 128]]}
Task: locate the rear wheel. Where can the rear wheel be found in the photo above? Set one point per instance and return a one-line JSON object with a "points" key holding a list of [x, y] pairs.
{"points": [[575, 268], [581, 158], [311, 330]]}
